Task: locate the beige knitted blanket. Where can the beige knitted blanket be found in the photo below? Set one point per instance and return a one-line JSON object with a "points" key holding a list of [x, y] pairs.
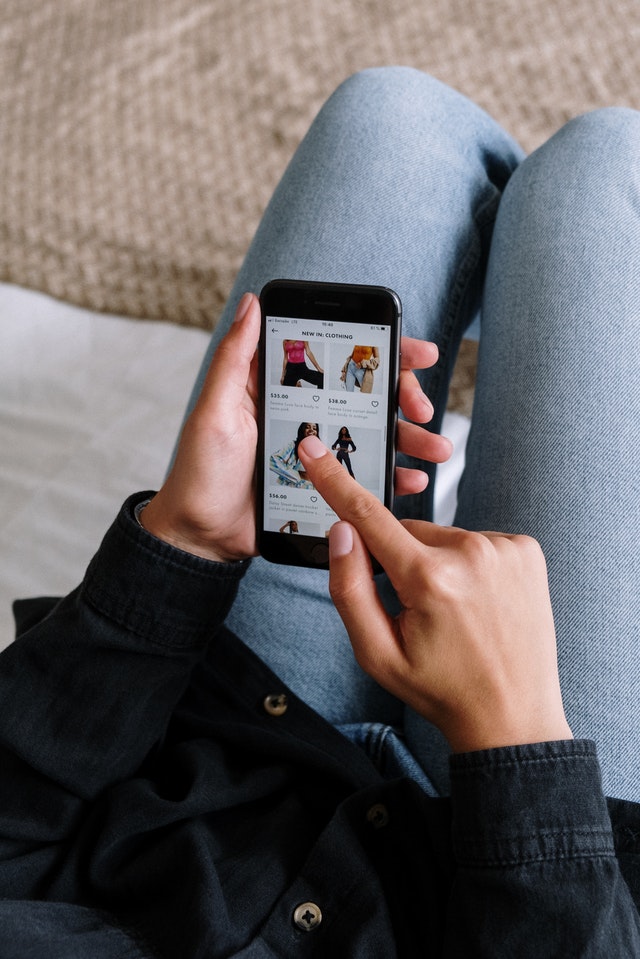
{"points": [[141, 139]]}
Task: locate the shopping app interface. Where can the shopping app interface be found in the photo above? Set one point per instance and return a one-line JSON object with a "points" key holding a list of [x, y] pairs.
{"points": [[331, 378]]}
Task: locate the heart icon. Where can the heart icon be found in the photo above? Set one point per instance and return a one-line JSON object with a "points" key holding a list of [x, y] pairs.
{"points": [[314, 499], [315, 399], [374, 403]]}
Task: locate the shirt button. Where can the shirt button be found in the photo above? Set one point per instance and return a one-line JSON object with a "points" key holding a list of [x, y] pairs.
{"points": [[378, 816], [276, 704], [307, 916]]}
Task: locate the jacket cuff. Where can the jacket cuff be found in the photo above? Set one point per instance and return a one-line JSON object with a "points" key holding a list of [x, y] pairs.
{"points": [[531, 803], [156, 591]]}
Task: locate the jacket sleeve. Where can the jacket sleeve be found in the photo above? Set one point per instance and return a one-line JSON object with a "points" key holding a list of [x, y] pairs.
{"points": [[87, 690], [537, 874]]}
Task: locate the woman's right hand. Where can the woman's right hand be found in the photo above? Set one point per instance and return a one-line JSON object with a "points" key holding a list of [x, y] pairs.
{"points": [[473, 649]]}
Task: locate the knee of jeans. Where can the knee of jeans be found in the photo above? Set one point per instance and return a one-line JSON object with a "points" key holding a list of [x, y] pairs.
{"points": [[608, 137], [392, 95], [581, 169], [595, 147], [373, 83]]}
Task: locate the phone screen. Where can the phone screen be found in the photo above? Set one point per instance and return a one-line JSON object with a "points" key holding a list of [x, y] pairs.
{"points": [[329, 358]]}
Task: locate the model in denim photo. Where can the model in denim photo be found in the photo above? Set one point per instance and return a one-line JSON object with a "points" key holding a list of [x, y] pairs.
{"points": [[204, 754]]}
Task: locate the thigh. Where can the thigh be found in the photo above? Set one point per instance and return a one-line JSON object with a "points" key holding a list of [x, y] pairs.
{"points": [[554, 440], [315, 377], [396, 184], [350, 377], [292, 373]]}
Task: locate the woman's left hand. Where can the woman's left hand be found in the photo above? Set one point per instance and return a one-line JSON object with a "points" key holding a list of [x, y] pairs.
{"points": [[207, 504]]}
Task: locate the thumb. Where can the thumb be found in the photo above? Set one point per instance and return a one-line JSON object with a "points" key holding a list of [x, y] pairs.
{"points": [[227, 378]]}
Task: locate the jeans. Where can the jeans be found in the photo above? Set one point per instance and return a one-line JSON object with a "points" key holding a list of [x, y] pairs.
{"points": [[354, 374], [405, 183]]}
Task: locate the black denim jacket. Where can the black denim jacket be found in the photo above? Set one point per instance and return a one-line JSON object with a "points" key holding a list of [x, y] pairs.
{"points": [[157, 800]]}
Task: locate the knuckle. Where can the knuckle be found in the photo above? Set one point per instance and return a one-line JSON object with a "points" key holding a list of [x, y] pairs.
{"points": [[527, 543], [476, 547], [362, 507], [529, 549]]}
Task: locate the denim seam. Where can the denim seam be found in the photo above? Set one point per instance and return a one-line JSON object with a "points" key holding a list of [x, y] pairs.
{"points": [[572, 832], [467, 266], [576, 755], [472, 850], [375, 741], [518, 862], [459, 774]]}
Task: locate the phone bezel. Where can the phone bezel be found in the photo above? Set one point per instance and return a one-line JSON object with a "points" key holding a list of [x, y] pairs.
{"points": [[344, 302]]}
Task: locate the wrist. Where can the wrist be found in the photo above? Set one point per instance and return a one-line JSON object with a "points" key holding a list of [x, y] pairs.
{"points": [[523, 731], [154, 519]]}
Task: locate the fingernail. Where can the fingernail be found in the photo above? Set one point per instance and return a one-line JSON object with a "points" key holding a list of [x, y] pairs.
{"points": [[340, 540], [313, 447], [243, 307]]}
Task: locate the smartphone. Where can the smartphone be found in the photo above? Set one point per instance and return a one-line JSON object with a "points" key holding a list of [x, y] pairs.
{"points": [[329, 364]]}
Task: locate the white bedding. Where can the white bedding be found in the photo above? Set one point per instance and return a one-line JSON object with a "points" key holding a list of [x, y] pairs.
{"points": [[90, 406]]}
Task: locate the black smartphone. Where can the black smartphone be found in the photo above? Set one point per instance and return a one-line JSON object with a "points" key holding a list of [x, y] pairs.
{"points": [[329, 364]]}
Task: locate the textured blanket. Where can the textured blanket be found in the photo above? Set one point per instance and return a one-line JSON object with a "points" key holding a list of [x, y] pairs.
{"points": [[140, 141]]}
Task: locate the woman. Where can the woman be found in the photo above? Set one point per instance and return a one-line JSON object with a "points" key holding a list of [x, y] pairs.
{"points": [[342, 444], [164, 813], [294, 367], [360, 367], [497, 224], [285, 463], [291, 526]]}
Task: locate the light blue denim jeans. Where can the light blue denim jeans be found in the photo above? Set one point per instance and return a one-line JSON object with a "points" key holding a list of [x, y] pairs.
{"points": [[353, 375], [405, 183]]}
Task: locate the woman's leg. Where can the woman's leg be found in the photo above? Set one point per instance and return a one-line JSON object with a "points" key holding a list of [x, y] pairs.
{"points": [[345, 459], [396, 183], [292, 374], [347, 463], [553, 449], [350, 377], [315, 377]]}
